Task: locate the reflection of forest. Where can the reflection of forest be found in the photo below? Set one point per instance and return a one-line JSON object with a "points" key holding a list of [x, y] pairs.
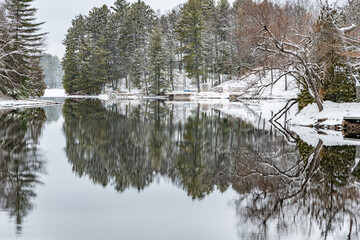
{"points": [[283, 188], [20, 162], [312, 196], [128, 145], [53, 113]]}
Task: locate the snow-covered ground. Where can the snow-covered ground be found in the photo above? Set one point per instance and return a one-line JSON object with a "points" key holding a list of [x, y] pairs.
{"points": [[332, 115], [329, 137], [13, 104], [260, 87], [49, 93], [251, 86], [258, 106], [55, 93], [258, 113]]}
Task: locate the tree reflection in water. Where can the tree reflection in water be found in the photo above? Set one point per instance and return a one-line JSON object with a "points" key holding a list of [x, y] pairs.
{"points": [[284, 189], [127, 146], [311, 195], [20, 162]]}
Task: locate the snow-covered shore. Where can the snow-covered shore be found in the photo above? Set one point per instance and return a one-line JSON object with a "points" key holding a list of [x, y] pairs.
{"points": [[332, 115], [6, 103], [14, 104], [52, 93], [258, 113], [254, 87]]}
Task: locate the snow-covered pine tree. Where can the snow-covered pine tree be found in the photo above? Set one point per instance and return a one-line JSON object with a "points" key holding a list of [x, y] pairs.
{"points": [[191, 29], [88, 62], [99, 34], [171, 44], [122, 24], [141, 21], [209, 41], [118, 43], [21, 42], [223, 32], [7, 86], [94, 71], [71, 62], [337, 85], [158, 83]]}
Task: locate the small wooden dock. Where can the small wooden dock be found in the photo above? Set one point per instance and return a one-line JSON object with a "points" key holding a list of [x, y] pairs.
{"points": [[185, 96], [351, 126]]}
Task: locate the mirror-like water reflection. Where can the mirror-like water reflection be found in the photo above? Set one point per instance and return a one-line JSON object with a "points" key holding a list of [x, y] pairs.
{"points": [[275, 189], [20, 161]]}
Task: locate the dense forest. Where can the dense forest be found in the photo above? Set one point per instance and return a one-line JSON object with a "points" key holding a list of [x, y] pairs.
{"points": [[130, 45], [20, 50]]}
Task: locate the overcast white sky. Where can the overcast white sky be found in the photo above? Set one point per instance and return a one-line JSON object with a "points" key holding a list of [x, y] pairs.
{"points": [[58, 16]]}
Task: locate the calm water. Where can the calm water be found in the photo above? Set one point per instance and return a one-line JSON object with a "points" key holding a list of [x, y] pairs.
{"points": [[154, 170]]}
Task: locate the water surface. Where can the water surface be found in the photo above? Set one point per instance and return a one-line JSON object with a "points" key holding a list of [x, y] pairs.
{"points": [[156, 170]]}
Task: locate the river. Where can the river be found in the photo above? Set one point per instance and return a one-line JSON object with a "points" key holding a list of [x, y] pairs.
{"points": [[88, 169]]}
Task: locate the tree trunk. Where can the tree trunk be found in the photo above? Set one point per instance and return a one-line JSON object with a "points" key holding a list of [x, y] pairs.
{"points": [[172, 75], [319, 104], [146, 88], [198, 82], [272, 81], [158, 85]]}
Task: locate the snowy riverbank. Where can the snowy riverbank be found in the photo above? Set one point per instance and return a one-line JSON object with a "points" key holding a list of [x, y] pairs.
{"points": [[332, 115], [330, 118], [7, 103], [258, 114], [14, 104], [52, 93]]}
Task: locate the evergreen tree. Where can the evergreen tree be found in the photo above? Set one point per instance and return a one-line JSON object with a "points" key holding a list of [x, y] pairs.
{"points": [[191, 29], [72, 62], [22, 44], [100, 69], [142, 19], [119, 43], [93, 71], [87, 62], [157, 62], [122, 24], [223, 32], [337, 85], [171, 45], [210, 41]]}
